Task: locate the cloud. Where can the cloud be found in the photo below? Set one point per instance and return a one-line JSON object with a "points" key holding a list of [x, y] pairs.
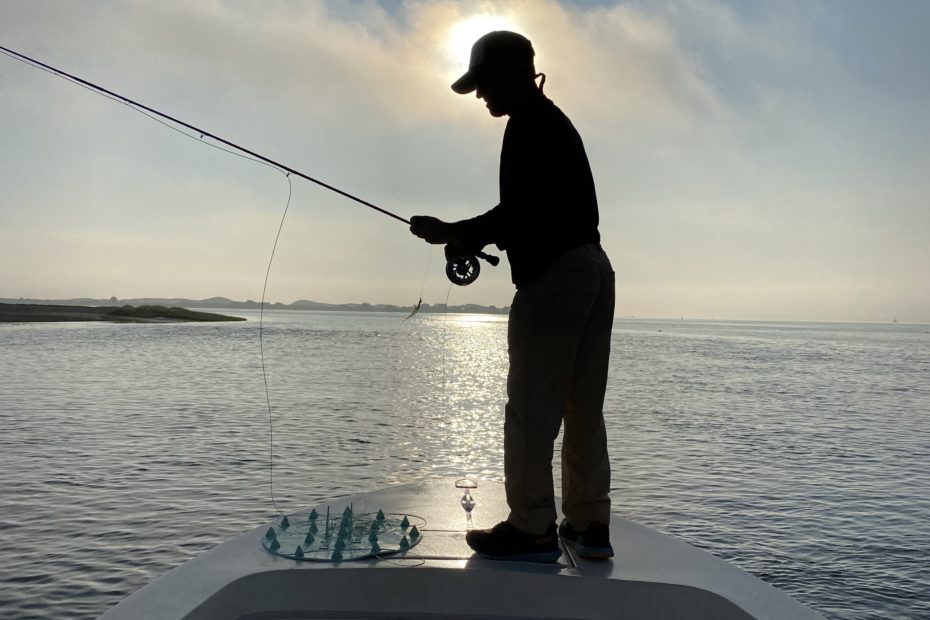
{"points": [[739, 151]]}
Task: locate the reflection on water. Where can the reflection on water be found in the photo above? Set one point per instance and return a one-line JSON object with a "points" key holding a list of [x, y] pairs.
{"points": [[796, 451]]}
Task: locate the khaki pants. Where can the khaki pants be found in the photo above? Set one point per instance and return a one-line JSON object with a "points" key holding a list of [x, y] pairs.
{"points": [[559, 344]]}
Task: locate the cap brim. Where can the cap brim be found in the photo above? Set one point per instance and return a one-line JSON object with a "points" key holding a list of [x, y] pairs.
{"points": [[465, 84]]}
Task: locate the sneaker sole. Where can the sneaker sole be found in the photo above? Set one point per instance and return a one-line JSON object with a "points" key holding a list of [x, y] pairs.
{"points": [[543, 557], [589, 553]]}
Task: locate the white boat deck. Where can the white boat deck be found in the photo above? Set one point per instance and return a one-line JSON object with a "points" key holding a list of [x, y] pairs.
{"points": [[652, 576]]}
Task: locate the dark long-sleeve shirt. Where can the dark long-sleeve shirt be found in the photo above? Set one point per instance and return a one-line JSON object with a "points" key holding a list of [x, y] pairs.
{"points": [[547, 199]]}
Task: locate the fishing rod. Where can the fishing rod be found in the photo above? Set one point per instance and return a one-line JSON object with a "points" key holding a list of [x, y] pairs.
{"points": [[462, 268]]}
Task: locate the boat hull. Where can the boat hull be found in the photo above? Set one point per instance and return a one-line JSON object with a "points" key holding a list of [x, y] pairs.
{"points": [[652, 576]]}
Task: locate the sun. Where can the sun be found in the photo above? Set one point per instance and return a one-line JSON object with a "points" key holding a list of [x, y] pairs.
{"points": [[463, 33]]}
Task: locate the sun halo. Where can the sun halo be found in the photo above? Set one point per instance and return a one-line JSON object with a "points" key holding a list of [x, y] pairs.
{"points": [[463, 34]]}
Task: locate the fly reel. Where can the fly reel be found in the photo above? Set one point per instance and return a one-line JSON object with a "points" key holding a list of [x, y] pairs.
{"points": [[464, 269]]}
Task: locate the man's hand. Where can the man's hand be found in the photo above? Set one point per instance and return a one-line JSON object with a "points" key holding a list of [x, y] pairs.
{"points": [[432, 230], [456, 249]]}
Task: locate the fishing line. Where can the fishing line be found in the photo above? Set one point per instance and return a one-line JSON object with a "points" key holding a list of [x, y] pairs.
{"points": [[200, 139], [203, 133], [445, 315], [429, 260], [416, 307], [461, 270], [261, 348]]}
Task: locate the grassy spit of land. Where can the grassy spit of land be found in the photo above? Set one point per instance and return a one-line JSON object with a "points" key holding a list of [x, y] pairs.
{"points": [[224, 303], [32, 313]]}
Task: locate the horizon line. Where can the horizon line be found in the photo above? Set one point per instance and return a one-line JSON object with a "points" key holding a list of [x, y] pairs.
{"points": [[217, 298]]}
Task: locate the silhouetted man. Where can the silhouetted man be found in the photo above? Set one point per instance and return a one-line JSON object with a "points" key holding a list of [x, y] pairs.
{"points": [[561, 317]]}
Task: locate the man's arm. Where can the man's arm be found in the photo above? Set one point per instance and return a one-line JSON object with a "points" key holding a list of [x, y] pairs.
{"points": [[474, 233]]}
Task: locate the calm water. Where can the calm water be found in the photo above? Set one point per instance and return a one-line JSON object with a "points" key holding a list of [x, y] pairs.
{"points": [[800, 452]]}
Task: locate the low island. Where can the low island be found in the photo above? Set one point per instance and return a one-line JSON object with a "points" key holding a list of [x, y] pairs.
{"points": [[32, 313]]}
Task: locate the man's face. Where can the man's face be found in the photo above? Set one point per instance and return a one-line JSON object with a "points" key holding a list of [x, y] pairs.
{"points": [[494, 88]]}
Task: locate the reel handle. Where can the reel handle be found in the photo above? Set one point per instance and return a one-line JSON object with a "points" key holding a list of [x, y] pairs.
{"points": [[493, 260]]}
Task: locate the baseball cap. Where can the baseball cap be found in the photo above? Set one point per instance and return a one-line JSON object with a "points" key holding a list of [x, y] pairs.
{"points": [[491, 49]]}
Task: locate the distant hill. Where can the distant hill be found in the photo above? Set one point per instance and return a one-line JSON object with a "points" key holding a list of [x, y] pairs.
{"points": [[229, 304], [46, 312]]}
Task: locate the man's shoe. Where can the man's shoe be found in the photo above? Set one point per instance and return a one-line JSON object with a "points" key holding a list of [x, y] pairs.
{"points": [[506, 542], [591, 544]]}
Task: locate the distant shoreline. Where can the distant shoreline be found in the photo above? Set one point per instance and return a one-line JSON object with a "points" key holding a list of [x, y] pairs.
{"points": [[54, 313], [87, 305], [229, 304]]}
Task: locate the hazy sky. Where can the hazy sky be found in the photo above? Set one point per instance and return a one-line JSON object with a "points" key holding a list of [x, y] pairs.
{"points": [[764, 160]]}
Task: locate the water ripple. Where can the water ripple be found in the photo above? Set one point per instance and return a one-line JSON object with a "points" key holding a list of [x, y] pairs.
{"points": [[798, 452]]}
